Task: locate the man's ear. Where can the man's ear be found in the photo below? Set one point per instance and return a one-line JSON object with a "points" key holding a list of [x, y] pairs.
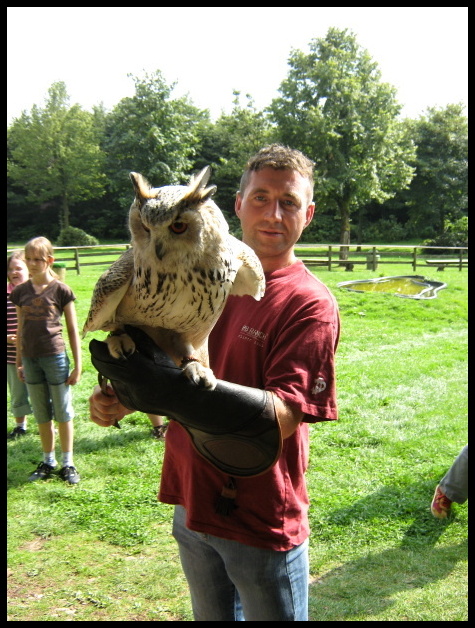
{"points": [[309, 215], [237, 204]]}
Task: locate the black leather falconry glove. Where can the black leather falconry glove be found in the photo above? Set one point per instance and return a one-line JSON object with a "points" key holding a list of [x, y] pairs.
{"points": [[233, 427]]}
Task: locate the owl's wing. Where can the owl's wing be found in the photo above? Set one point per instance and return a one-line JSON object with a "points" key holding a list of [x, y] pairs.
{"points": [[250, 276], [109, 292]]}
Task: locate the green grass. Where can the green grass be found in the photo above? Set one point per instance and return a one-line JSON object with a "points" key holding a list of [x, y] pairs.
{"points": [[103, 551]]}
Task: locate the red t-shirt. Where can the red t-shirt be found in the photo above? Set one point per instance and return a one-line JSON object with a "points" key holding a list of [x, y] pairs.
{"points": [[284, 343]]}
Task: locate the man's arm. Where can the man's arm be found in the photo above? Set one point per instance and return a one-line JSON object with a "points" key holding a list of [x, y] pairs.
{"points": [[288, 416], [106, 409], [234, 427]]}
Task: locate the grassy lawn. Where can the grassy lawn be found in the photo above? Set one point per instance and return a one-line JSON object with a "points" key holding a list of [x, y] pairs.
{"points": [[103, 551]]}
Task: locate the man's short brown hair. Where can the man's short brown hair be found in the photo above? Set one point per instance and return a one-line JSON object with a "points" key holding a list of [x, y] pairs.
{"points": [[278, 157]]}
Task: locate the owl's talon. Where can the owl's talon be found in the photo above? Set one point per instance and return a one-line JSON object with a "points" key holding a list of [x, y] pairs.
{"points": [[120, 345], [102, 381], [103, 384], [200, 375]]}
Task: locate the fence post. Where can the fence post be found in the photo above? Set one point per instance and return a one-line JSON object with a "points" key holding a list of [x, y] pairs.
{"points": [[76, 255], [372, 259], [329, 258]]}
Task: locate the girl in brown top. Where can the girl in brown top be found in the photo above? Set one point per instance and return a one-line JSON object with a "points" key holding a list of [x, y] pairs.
{"points": [[42, 360]]}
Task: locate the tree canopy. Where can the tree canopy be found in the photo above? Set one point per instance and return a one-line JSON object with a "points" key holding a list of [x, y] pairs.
{"points": [[54, 153], [439, 191], [398, 177], [151, 133], [334, 107]]}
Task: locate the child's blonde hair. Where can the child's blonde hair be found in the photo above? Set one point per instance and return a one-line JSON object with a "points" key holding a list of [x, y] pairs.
{"points": [[41, 246]]}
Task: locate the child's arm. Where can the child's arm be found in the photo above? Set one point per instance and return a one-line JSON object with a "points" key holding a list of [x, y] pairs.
{"points": [[74, 343]]}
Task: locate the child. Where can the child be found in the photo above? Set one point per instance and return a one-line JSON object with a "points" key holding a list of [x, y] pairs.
{"points": [[17, 273], [42, 360]]}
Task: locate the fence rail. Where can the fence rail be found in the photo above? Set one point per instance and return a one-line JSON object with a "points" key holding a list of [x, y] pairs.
{"points": [[328, 255], [375, 254], [77, 256]]}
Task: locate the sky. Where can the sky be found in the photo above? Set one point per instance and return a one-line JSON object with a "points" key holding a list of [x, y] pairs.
{"points": [[211, 51]]}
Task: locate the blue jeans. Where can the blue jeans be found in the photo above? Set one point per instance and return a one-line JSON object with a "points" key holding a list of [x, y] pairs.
{"points": [[49, 396], [454, 484], [230, 581]]}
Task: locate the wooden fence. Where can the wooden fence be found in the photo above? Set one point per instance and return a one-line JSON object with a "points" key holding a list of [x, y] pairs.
{"points": [[375, 254], [328, 255], [74, 257]]}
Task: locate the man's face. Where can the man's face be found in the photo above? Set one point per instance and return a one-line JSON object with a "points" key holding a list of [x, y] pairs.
{"points": [[274, 210]]}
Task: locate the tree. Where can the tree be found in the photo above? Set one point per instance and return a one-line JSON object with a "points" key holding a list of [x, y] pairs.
{"points": [[334, 107], [227, 145], [53, 154], [151, 133], [439, 191]]}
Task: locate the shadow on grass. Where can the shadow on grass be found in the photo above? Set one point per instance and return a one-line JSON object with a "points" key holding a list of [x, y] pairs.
{"points": [[366, 586]]}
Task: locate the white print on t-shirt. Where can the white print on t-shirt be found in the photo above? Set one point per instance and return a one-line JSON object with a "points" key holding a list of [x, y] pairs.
{"points": [[249, 333], [319, 386]]}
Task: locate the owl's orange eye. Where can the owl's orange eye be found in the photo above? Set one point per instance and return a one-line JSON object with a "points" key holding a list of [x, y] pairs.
{"points": [[178, 227]]}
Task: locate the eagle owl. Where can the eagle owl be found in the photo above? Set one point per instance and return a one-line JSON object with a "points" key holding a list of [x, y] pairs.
{"points": [[174, 281]]}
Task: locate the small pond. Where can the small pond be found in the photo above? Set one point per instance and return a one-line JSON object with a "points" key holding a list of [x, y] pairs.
{"points": [[408, 286]]}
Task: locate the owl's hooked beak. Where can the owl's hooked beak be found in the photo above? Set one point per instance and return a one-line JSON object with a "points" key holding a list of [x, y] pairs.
{"points": [[159, 252]]}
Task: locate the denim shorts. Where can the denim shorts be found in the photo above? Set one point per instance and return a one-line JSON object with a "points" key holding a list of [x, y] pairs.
{"points": [[45, 379]]}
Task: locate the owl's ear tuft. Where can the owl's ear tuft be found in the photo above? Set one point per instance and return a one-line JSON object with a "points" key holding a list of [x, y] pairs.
{"points": [[143, 189], [200, 179], [197, 192]]}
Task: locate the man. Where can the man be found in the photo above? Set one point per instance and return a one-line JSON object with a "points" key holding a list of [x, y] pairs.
{"points": [[250, 561], [453, 487]]}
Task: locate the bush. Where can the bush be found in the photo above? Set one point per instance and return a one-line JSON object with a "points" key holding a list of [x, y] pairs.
{"points": [[323, 228], [384, 230], [72, 236], [455, 234]]}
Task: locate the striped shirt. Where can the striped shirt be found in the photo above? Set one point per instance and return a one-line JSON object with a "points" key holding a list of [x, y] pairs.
{"points": [[12, 325]]}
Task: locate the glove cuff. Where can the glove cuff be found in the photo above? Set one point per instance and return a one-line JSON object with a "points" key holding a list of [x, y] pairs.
{"points": [[246, 452]]}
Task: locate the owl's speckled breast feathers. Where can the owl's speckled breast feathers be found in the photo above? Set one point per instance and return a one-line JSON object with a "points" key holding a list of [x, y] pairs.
{"points": [[176, 278]]}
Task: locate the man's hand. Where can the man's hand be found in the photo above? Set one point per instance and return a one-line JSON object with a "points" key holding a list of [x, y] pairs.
{"points": [[105, 410]]}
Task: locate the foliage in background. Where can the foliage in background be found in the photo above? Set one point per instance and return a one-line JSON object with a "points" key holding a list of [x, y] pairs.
{"points": [[335, 108], [385, 230], [66, 165], [54, 154], [72, 236], [234, 138], [455, 234], [439, 191], [151, 133]]}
